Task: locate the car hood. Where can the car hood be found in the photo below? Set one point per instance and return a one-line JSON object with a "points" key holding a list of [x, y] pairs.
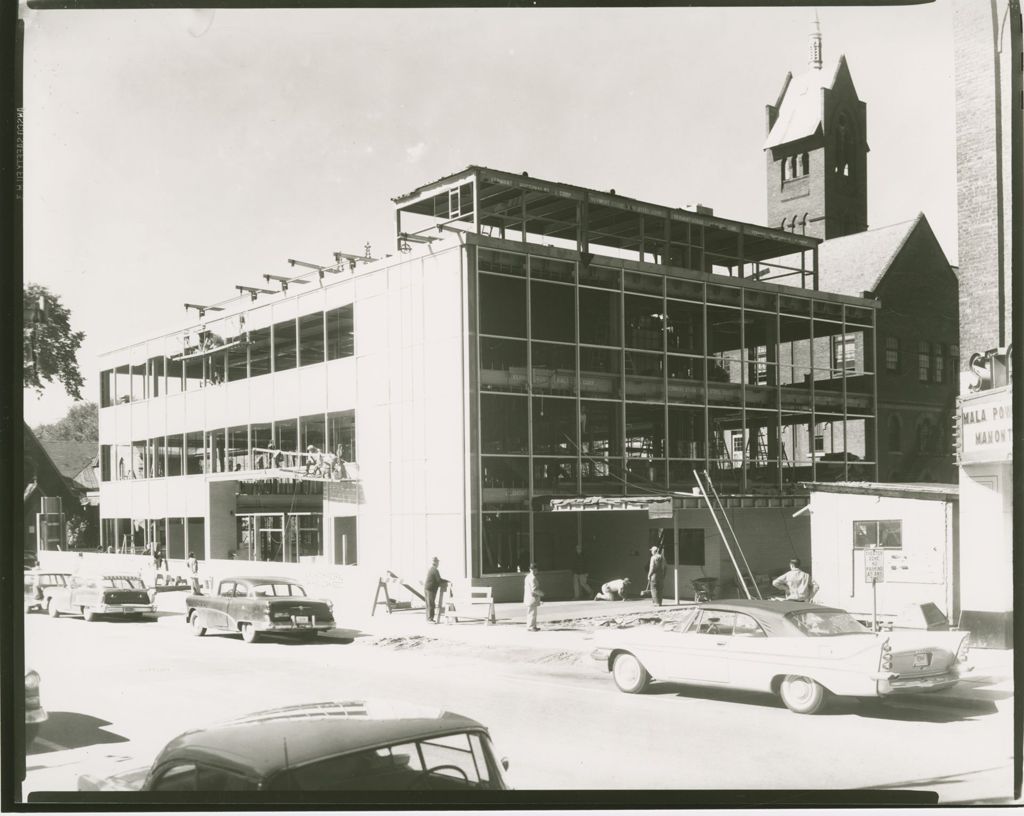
{"points": [[129, 780]]}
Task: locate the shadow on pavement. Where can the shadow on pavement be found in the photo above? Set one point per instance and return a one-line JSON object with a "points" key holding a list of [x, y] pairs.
{"points": [[920, 708], [65, 729]]}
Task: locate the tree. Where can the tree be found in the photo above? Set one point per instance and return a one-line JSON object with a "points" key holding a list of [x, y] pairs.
{"points": [[51, 347], [80, 424]]}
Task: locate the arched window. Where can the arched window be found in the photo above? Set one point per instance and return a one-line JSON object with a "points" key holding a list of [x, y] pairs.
{"points": [[925, 435], [895, 434], [792, 166], [805, 164]]}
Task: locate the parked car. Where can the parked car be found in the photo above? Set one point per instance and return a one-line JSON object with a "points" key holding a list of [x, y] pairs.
{"points": [[800, 651], [331, 746], [35, 714], [93, 595], [36, 584], [259, 605]]}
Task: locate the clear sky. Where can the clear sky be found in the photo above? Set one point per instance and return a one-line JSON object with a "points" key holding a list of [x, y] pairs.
{"points": [[171, 154]]}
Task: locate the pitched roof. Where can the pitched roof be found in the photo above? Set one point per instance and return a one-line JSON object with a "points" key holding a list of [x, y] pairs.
{"points": [[800, 106], [70, 457], [856, 263]]}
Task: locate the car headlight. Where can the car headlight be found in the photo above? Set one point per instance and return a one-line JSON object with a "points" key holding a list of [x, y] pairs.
{"points": [[31, 680]]}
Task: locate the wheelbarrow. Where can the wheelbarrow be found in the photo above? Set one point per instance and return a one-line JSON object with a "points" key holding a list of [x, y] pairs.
{"points": [[704, 589]]}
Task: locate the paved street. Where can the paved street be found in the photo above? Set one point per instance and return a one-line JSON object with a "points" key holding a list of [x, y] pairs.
{"points": [[120, 690]]}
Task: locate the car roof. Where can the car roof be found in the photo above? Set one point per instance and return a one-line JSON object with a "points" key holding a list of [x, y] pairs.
{"points": [[773, 615], [258, 579], [266, 742]]}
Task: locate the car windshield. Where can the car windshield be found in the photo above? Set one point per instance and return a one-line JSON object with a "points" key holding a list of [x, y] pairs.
{"points": [[278, 590], [123, 582], [826, 624]]}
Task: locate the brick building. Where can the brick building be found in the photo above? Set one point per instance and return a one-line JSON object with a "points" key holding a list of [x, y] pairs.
{"points": [[987, 43], [816, 152]]}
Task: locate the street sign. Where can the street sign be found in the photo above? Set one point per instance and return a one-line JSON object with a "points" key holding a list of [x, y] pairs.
{"points": [[874, 566]]}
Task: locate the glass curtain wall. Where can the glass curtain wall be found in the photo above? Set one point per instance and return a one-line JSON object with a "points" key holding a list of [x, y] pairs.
{"points": [[597, 380]]}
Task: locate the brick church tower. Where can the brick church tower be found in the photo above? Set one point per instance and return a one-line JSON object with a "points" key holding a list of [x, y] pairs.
{"points": [[816, 151]]}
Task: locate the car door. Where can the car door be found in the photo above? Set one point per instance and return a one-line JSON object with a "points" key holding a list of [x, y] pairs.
{"points": [[240, 606], [214, 612], [751, 655], [701, 654]]}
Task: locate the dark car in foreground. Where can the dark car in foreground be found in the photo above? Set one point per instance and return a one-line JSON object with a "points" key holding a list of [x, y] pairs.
{"points": [[354, 745], [800, 651], [254, 606], [93, 595], [35, 714]]}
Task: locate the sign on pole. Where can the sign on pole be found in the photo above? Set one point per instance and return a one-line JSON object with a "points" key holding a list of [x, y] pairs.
{"points": [[874, 566], [874, 572]]}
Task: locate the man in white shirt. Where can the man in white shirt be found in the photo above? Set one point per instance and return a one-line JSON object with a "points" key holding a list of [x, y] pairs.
{"points": [[798, 585], [613, 590], [532, 593]]}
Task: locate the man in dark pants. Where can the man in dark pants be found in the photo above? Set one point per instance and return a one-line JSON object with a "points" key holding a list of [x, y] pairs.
{"points": [[656, 574], [431, 585]]}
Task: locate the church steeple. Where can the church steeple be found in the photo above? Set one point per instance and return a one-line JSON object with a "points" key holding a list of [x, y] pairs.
{"points": [[815, 56], [816, 150]]}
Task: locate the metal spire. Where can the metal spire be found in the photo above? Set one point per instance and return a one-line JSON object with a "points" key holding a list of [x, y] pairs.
{"points": [[815, 59]]}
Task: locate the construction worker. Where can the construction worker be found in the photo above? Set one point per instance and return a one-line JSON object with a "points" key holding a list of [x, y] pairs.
{"points": [[797, 584], [613, 590], [656, 574]]}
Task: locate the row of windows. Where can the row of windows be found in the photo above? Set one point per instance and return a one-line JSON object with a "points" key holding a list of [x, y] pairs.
{"points": [[209, 359], [177, 536], [226, 450], [936, 362], [796, 166]]}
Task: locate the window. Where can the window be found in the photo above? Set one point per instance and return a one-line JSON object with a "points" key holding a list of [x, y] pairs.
{"points": [[938, 363], [502, 305], [954, 359], [716, 622], [746, 626], [105, 463], [819, 437], [311, 339], [923, 361], [285, 345], [737, 442], [844, 353], [194, 453], [759, 373], [925, 435], [187, 776], [885, 534], [505, 543], [892, 354], [805, 164], [895, 441], [691, 547], [106, 390], [340, 333]]}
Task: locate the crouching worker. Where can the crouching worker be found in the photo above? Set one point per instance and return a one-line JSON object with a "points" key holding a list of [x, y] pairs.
{"points": [[613, 590]]}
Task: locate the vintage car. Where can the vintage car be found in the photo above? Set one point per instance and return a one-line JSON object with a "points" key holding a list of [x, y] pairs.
{"points": [[92, 595], [35, 714], [36, 584], [254, 606], [800, 651], [355, 745]]}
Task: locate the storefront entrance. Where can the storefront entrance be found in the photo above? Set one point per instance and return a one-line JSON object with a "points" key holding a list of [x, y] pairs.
{"points": [[282, 537]]}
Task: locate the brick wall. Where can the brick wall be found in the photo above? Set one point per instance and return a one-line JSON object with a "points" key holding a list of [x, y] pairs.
{"points": [[978, 148]]}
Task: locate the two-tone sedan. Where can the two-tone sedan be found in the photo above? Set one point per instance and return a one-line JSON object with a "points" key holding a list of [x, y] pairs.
{"points": [[799, 651], [93, 595], [36, 584], [254, 606], [351, 745]]}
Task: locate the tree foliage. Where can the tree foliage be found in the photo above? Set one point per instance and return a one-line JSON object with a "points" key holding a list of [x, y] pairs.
{"points": [[81, 424], [51, 347]]}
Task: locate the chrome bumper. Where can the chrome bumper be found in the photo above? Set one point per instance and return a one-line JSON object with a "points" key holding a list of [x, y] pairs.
{"points": [[289, 626], [124, 609], [898, 685]]}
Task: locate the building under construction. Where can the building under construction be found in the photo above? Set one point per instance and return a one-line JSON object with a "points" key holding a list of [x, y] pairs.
{"points": [[535, 365]]}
